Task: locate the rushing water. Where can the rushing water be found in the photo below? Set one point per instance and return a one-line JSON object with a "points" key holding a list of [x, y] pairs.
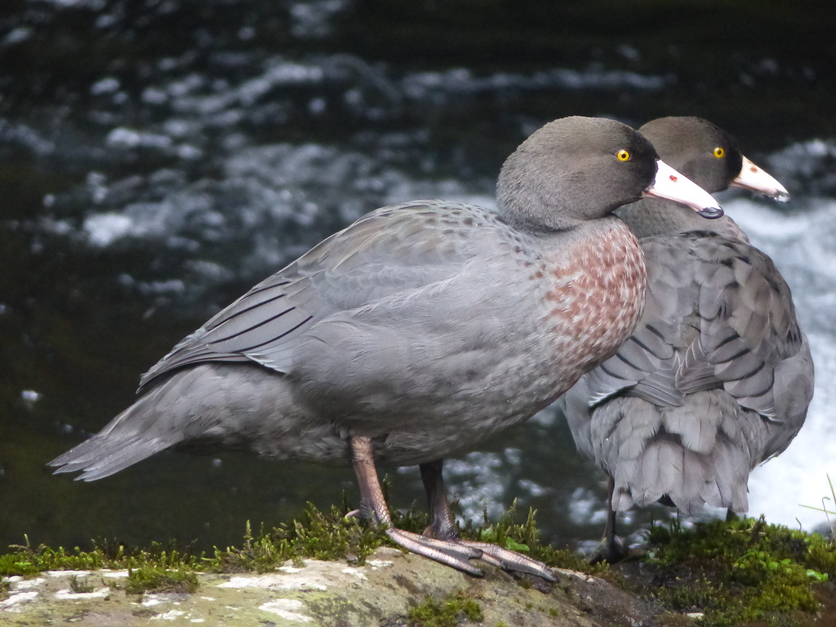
{"points": [[157, 158]]}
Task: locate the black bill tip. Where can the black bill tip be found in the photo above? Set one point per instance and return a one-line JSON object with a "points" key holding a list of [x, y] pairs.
{"points": [[711, 213]]}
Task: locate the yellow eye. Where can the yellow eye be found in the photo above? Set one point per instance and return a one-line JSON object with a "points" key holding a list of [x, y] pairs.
{"points": [[719, 152], [623, 155]]}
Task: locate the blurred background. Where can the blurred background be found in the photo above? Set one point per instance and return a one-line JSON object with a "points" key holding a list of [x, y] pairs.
{"points": [[158, 157]]}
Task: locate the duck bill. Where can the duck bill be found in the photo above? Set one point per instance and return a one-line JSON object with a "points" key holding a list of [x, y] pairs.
{"points": [[754, 179], [671, 185]]}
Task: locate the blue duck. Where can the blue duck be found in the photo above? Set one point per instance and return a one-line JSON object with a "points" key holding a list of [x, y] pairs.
{"points": [[418, 331], [718, 375]]}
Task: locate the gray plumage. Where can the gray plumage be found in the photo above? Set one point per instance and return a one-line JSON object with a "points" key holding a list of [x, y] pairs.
{"points": [[717, 376]]}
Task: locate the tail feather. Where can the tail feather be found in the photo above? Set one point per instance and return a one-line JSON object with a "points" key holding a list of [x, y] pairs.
{"points": [[697, 454], [151, 424], [131, 454], [233, 405], [100, 457]]}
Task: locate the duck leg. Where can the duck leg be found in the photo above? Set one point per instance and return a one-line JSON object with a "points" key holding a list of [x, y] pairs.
{"points": [[373, 507], [442, 523], [612, 547], [443, 526]]}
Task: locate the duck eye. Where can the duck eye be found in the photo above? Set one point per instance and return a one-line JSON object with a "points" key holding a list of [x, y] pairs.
{"points": [[623, 155], [719, 152]]}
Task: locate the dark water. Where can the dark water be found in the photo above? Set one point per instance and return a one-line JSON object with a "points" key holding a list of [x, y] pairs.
{"points": [[157, 158]]}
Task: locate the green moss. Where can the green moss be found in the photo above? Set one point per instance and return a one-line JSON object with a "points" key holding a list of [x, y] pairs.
{"points": [[447, 613], [27, 560], [158, 579], [316, 535], [319, 535], [737, 571]]}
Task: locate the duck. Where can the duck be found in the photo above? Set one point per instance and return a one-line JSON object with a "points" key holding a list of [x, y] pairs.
{"points": [[718, 375], [418, 331]]}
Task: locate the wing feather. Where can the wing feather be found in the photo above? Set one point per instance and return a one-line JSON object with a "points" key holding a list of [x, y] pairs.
{"points": [[376, 258]]}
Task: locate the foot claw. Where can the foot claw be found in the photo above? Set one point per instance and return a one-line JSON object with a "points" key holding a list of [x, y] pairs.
{"points": [[511, 560], [453, 554]]}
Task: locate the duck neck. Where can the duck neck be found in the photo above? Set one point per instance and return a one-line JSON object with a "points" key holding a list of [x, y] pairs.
{"points": [[555, 221], [649, 217]]}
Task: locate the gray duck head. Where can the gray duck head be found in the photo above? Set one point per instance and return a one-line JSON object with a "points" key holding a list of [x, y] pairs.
{"points": [[709, 156], [577, 169]]}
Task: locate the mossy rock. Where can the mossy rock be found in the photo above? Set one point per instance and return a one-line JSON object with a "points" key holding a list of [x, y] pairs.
{"points": [[327, 569], [391, 588]]}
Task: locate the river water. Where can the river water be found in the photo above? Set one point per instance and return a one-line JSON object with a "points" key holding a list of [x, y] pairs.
{"points": [[157, 158]]}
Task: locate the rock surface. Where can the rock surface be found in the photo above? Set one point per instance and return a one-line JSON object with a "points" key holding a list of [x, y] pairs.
{"points": [[329, 594]]}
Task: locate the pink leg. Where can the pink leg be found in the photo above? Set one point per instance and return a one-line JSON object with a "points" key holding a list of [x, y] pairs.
{"points": [[373, 507]]}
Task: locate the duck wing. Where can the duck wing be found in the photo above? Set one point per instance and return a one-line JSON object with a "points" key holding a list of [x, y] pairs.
{"points": [[377, 257]]}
